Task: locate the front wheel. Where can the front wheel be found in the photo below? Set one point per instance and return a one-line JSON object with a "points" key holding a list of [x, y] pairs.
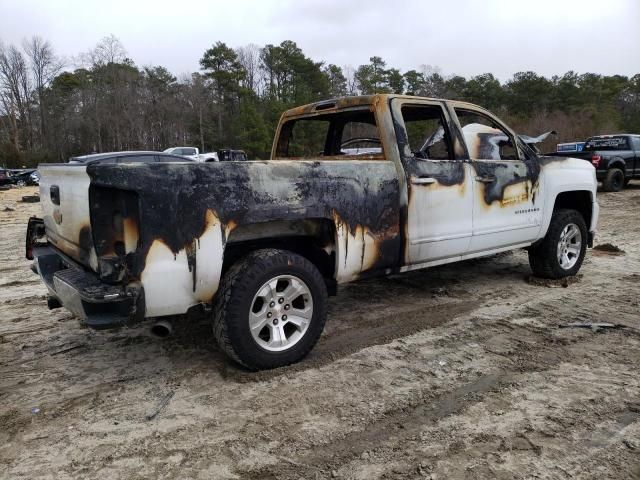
{"points": [[561, 252], [270, 309]]}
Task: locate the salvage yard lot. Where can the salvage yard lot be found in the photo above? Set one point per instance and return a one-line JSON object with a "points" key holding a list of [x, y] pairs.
{"points": [[460, 371]]}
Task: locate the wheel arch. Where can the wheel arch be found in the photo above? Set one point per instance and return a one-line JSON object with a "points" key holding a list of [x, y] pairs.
{"points": [[313, 238], [580, 199], [617, 162]]}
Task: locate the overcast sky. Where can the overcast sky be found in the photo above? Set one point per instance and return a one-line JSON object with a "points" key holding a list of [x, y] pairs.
{"points": [[460, 36]]}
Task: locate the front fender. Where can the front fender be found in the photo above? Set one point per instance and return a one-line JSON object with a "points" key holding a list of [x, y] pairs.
{"points": [[570, 175]]}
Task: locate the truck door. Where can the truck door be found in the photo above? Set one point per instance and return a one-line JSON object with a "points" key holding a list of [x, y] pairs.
{"points": [[507, 199], [440, 202]]}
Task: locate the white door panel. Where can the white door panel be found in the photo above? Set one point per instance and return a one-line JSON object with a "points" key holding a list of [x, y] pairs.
{"points": [[507, 210], [439, 222]]}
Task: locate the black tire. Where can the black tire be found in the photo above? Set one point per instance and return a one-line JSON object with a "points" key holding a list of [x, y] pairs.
{"points": [[543, 258], [235, 298], [614, 181]]}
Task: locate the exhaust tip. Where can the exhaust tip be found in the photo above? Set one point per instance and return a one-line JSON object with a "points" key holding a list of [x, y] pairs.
{"points": [[162, 329]]}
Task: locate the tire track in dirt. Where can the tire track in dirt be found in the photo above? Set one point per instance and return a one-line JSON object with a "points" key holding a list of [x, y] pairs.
{"points": [[541, 349], [372, 330]]}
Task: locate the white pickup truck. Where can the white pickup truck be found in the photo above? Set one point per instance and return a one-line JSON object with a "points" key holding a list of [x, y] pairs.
{"points": [[356, 187], [189, 152]]}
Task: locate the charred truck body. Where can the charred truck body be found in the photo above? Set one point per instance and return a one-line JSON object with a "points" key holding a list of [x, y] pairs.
{"points": [[356, 187]]}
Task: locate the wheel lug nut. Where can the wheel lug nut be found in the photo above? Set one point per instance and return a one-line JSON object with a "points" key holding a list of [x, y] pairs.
{"points": [[269, 315], [272, 304], [280, 300], [275, 321], [287, 307], [284, 317]]}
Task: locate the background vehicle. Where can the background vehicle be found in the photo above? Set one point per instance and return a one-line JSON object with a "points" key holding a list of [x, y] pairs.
{"points": [[128, 157], [209, 157], [228, 155], [616, 158], [4, 177], [190, 152], [19, 176], [262, 243]]}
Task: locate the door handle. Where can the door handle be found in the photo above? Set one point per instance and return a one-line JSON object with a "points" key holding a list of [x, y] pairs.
{"points": [[423, 180], [54, 194], [486, 179]]}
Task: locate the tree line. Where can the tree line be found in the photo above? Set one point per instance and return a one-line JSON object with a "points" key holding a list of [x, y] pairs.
{"points": [[49, 112]]}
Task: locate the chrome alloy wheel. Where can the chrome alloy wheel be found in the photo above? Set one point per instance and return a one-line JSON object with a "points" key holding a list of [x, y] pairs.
{"points": [[569, 246], [280, 313]]}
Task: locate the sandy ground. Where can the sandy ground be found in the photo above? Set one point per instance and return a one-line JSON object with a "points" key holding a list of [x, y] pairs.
{"points": [[460, 371]]}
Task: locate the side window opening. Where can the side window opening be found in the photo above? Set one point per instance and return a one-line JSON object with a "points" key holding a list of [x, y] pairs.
{"points": [[427, 133], [485, 139], [346, 134]]}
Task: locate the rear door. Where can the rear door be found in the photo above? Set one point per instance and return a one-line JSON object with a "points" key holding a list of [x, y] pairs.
{"points": [[440, 196], [507, 199]]}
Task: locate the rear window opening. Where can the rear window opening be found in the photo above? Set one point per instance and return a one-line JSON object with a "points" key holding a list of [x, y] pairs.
{"points": [[346, 134]]}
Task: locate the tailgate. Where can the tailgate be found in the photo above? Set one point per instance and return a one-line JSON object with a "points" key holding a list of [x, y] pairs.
{"points": [[64, 195]]}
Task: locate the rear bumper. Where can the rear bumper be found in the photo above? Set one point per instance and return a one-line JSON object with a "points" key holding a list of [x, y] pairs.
{"points": [[98, 305]]}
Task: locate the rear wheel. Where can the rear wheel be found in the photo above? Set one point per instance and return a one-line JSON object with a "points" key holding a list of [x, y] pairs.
{"points": [[614, 181], [563, 248], [271, 309]]}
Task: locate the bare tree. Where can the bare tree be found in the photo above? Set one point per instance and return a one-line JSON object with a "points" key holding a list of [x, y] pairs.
{"points": [[249, 58], [45, 65], [15, 90], [350, 75], [108, 50]]}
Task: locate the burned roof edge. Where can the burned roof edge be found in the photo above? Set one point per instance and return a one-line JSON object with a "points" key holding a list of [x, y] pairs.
{"points": [[361, 101]]}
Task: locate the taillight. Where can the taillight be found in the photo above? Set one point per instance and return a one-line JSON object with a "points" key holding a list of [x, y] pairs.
{"points": [[595, 160]]}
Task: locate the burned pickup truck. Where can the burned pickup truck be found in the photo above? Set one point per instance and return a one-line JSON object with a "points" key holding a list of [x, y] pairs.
{"points": [[356, 187]]}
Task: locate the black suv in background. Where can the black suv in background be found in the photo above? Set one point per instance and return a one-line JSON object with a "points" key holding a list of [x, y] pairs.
{"points": [[616, 158]]}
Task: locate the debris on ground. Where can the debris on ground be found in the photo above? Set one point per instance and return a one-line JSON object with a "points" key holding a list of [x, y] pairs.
{"points": [[8, 209], [68, 349], [164, 401], [593, 326], [439, 292], [30, 198], [553, 282], [609, 248]]}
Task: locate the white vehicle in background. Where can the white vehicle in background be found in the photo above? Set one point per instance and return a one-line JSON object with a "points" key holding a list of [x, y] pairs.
{"points": [[189, 152], [209, 157]]}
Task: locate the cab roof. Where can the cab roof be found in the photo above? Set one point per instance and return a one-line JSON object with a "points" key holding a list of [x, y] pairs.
{"points": [[360, 101]]}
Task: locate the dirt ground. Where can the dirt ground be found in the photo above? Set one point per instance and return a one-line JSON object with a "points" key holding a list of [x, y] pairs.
{"points": [[460, 371]]}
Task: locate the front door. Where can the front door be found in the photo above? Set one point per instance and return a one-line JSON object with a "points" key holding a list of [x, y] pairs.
{"points": [[507, 208], [440, 196]]}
